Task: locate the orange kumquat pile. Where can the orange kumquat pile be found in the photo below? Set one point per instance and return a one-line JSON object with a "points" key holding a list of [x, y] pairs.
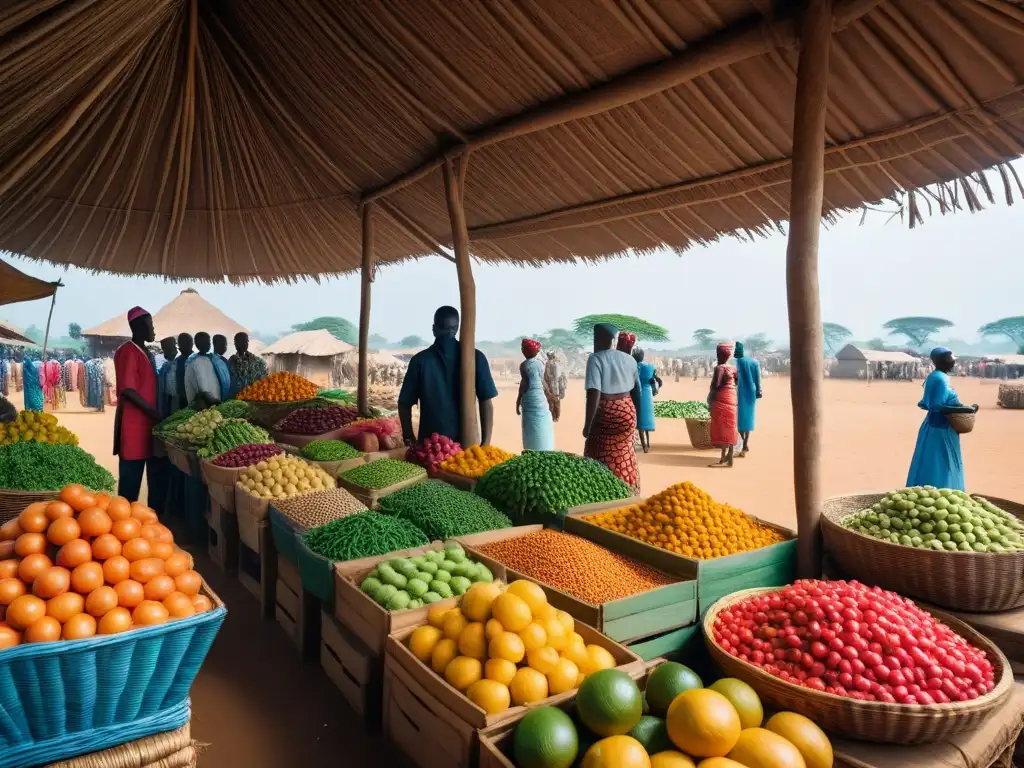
{"points": [[280, 387]]}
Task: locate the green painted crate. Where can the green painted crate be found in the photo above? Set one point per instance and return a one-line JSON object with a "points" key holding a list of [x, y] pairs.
{"points": [[285, 534], [630, 618], [316, 572], [669, 645]]}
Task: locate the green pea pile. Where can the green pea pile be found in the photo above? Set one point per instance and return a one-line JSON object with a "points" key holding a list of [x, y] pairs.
{"points": [[442, 511], [329, 450], [366, 534], [673, 409], [539, 484], [939, 519], [167, 426], [234, 409], [411, 582], [231, 434], [382, 473], [33, 466]]}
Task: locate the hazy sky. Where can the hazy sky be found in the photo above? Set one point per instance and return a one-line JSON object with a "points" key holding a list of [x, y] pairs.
{"points": [[963, 267]]}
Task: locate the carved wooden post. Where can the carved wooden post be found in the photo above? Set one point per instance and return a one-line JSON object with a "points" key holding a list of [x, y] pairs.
{"points": [[362, 393]]}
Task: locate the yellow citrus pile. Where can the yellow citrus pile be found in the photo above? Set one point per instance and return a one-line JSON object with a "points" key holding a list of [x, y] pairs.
{"points": [[280, 387], [686, 520], [474, 462], [506, 648], [36, 427]]}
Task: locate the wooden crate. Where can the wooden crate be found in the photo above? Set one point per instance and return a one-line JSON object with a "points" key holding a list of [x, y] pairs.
{"points": [[257, 569], [393, 453], [458, 481], [297, 611], [357, 671], [179, 458], [223, 538], [670, 645], [370, 497], [220, 483], [771, 566], [626, 620]]}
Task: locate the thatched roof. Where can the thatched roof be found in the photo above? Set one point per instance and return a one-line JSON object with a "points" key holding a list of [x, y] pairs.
{"points": [[204, 139], [16, 286], [188, 312], [14, 336], [319, 343], [850, 352], [1008, 359]]}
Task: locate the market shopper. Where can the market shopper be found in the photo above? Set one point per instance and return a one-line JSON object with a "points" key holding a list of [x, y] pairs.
{"points": [[220, 365], [8, 411], [202, 385], [136, 408], [748, 390], [177, 397], [722, 403], [531, 404], [433, 381], [650, 383], [245, 367], [165, 375], [555, 382], [613, 399], [938, 460]]}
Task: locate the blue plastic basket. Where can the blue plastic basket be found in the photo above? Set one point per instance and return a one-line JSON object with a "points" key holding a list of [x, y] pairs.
{"points": [[62, 699], [316, 571]]}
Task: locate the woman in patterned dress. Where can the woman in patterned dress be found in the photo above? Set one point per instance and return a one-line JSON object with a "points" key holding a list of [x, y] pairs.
{"points": [[723, 403]]}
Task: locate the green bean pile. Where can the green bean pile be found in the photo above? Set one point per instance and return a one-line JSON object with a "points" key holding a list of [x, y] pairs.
{"points": [[329, 450], [366, 534], [673, 409], [382, 473], [442, 511], [234, 409]]}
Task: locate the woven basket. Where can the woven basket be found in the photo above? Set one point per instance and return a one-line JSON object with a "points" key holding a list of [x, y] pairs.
{"points": [[867, 720], [1011, 395], [699, 431], [173, 749], [981, 582], [266, 415], [962, 423], [13, 503], [301, 441], [63, 699]]}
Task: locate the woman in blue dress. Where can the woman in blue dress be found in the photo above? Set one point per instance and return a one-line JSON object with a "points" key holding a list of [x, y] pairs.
{"points": [[531, 404], [748, 391], [937, 460], [649, 386]]}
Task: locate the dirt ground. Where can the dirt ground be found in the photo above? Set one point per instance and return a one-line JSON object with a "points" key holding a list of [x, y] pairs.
{"points": [[258, 706]]}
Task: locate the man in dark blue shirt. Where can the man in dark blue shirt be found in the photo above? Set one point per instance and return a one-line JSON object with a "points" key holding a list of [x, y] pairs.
{"points": [[433, 381]]}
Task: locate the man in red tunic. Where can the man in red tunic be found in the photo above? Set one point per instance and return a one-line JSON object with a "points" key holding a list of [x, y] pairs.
{"points": [[136, 406]]}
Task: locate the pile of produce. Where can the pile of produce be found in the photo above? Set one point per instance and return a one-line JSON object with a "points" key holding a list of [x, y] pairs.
{"points": [[168, 425], [476, 461], [196, 430], [575, 565], [930, 518], [505, 648], [382, 473], [280, 387], [721, 726], [113, 567], [232, 433], [234, 409], [329, 450], [369, 435], [673, 409], [38, 427], [686, 520], [430, 452], [851, 640], [283, 476], [442, 511], [410, 582], [365, 534], [32, 466], [317, 420], [247, 455], [311, 510], [539, 484], [338, 396]]}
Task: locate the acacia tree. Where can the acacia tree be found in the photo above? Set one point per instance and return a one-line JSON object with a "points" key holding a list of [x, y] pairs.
{"points": [[917, 329], [645, 331], [757, 342], [835, 335], [1010, 327], [561, 338], [339, 328], [377, 340], [704, 338], [74, 331], [412, 341]]}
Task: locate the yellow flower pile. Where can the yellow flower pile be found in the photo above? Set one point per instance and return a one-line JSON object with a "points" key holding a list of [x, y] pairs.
{"points": [[30, 426], [686, 520], [474, 462]]}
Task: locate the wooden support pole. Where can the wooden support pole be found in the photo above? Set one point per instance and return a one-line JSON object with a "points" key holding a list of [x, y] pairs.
{"points": [[366, 280], [805, 333], [49, 317], [470, 434]]}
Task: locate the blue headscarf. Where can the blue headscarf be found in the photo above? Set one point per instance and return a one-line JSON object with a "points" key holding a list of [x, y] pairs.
{"points": [[939, 352], [738, 352]]}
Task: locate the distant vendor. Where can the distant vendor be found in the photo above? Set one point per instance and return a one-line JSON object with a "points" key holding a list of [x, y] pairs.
{"points": [[136, 407], [202, 384], [433, 382]]}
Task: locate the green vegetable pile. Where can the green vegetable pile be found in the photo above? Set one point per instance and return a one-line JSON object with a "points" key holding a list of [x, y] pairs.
{"points": [[33, 466], [411, 582], [366, 534], [382, 473], [197, 430], [231, 434], [337, 396], [168, 425], [540, 484], [234, 409], [673, 409], [940, 519], [329, 450], [442, 511]]}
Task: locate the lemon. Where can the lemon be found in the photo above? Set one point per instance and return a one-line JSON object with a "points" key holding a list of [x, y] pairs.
{"points": [[600, 658], [566, 621], [534, 637], [445, 650], [500, 671], [558, 638], [530, 593], [476, 603], [547, 611], [563, 677], [473, 641], [422, 642], [454, 623], [512, 611], [492, 697], [436, 615], [462, 672], [492, 629], [576, 652], [528, 686], [508, 646], [542, 659]]}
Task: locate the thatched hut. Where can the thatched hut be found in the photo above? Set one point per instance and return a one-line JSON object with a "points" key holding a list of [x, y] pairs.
{"points": [[854, 362], [317, 355]]}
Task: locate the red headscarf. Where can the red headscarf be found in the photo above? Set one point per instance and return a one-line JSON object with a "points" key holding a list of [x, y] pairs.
{"points": [[626, 342], [530, 347], [724, 352]]}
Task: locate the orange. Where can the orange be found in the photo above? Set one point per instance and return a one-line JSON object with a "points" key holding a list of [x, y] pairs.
{"points": [[180, 562], [95, 522], [499, 670], [805, 735], [563, 677], [119, 508], [444, 651], [421, 642], [86, 578], [454, 623], [760, 748], [32, 566], [25, 611], [129, 593], [462, 672], [126, 529], [9, 637], [33, 520], [30, 544], [159, 587], [477, 602], [190, 583], [63, 607], [542, 659], [435, 614], [149, 612], [52, 582], [148, 568], [162, 550], [179, 605], [202, 603], [74, 553], [473, 641], [10, 530], [512, 611], [530, 593], [10, 590], [491, 696], [100, 601], [116, 570], [507, 646], [43, 630], [62, 530], [528, 686], [77, 497], [9, 568], [703, 723], [115, 621], [137, 549], [106, 546], [79, 627], [617, 752]]}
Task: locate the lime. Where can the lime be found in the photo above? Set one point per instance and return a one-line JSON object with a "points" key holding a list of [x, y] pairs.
{"points": [[609, 703], [666, 682], [545, 738]]}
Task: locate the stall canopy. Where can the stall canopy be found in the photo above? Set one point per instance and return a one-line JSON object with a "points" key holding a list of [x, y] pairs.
{"points": [[16, 286], [13, 336], [851, 352]]}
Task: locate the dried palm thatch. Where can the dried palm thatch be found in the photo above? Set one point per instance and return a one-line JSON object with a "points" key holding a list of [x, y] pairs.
{"points": [[13, 336], [310, 343], [236, 138], [16, 286], [188, 312]]}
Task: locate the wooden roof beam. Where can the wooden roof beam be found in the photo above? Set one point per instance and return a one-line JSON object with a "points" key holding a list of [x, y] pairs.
{"points": [[746, 39]]}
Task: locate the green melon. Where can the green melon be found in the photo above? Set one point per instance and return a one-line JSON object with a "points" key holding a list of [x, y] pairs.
{"points": [[666, 682], [545, 738], [609, 703], [652, 734]]}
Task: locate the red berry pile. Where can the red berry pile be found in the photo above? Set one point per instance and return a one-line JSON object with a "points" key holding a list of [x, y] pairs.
{"points": [[247, 455], [431, 451], [317, 421], [847, 639]]}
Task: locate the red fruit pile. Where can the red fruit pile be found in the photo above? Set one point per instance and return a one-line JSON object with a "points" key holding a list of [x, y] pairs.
{"points": [[431, 451], [847, 639], [317, 421], [247, 455]]}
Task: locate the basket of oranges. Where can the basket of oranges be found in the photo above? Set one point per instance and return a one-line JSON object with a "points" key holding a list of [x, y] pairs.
{"points": [[104, 625]]}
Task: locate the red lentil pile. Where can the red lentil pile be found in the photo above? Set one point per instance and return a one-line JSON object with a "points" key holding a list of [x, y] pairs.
{"points": [[583, 569]]}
